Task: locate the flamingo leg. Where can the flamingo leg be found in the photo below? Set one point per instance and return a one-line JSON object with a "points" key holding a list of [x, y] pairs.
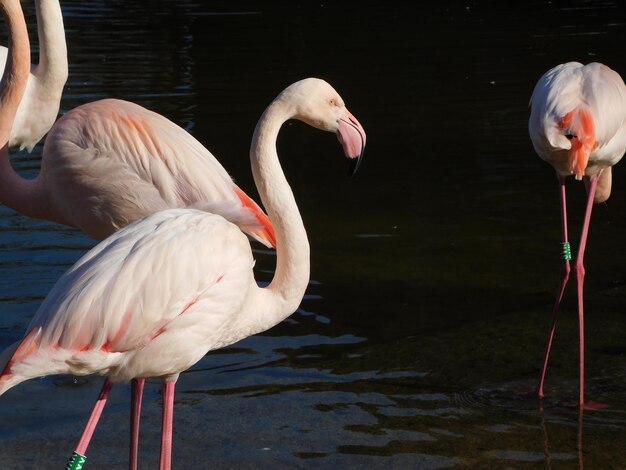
{"points": [[579, 269], [565, 272], [136, 393], [79, 453], [165, 462]]}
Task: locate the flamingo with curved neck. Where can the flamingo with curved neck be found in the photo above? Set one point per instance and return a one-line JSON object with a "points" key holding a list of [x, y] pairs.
{"points": [[41, 101], [156, 296], [125, 311]]}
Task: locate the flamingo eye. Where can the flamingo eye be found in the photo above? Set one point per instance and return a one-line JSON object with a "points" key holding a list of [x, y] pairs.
{"points": [[333, 102]]}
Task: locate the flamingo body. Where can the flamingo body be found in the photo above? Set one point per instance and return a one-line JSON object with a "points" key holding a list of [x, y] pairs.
{"points": [[110, 162], [150, 300], [586, 101]]}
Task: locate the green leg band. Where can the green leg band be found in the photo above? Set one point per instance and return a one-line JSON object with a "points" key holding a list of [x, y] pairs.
{"points": [[566, 251], [77, 462]]}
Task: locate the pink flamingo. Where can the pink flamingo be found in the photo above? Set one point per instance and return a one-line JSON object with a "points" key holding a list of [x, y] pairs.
{"points": [[106, 163], [578, 125], [39, 106], [110, 162], [153, 298]]}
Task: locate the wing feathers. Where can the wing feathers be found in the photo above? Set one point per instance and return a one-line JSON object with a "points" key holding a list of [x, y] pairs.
{"points": [[146, 150], [141, 282]]}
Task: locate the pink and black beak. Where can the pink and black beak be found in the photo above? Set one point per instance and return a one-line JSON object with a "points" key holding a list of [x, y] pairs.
{"points": [[351, 135]]}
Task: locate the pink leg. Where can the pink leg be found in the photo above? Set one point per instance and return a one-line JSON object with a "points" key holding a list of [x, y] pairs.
{"points": [[168, 419], [136, 394], [579, 268], [563, 282], [79, 454]]}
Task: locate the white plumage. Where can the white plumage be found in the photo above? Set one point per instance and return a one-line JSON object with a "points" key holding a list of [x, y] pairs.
{"points": [[150, 300], [594, 88], [110, 162], [156, 296], [39, 107]]}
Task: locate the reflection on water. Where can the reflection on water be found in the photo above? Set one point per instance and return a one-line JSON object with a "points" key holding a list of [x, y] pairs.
{"points": [[253, 398], [421, 334]]}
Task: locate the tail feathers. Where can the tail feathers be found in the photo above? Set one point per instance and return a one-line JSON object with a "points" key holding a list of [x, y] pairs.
{"points": [[7, 380], [14, 353], [19, 367], [25, 347]]}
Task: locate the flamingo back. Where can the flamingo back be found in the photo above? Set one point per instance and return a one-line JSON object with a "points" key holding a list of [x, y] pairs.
{"points": [[115, 161]]}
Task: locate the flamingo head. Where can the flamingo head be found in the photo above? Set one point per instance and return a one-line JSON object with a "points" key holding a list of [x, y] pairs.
{"points": [[576, 131], [319, 105]]}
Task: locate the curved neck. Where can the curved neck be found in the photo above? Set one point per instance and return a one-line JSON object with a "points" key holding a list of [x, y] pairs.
{"points": [[52, 47], [23, 195], [292, 247], [20, 194], [17, 67]]}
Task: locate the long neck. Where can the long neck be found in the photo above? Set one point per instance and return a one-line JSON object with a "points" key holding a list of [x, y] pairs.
{"points": [[17, 67], [52, 47], [20, 194], [292, 247]]}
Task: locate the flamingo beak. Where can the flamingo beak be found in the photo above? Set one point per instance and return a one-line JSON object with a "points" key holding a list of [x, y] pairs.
{"points": [[351, 135]]}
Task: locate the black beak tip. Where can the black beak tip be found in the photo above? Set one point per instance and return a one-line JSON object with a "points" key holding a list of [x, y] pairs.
{"points": [[355, 163]]}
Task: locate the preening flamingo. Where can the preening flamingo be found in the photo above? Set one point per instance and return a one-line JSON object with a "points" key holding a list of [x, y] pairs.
{"points": [[578, 125], [110, 162], [153, 298], [40, 104]]}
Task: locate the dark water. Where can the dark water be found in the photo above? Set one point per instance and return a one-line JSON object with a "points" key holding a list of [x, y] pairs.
{"points": [[433, 270]]}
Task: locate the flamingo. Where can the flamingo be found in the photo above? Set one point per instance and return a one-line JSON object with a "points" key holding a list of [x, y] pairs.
{"points": [[110, 162], [154, 297], [40, 105], [578, 125]]}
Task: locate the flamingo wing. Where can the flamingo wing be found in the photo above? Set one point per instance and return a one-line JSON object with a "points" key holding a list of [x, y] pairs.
{"points": [[605, 92], [174, 271], [155, 164]]}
